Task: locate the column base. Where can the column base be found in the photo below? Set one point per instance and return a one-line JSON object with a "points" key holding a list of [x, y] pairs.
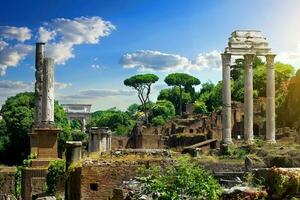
{"points": [[43, 141], [271, 141]]}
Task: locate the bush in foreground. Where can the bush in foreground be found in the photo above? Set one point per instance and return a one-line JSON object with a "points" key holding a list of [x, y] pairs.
{"points": [[184, 180]]}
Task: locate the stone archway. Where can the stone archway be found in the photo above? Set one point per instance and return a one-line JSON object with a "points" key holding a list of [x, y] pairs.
{"points": [[81, 112]]}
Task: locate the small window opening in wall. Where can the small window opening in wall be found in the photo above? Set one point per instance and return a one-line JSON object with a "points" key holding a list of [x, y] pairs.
{"points": [[94, 186], [191, 130]]}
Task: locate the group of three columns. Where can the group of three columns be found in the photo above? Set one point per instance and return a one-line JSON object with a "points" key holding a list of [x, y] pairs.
{"points": [[248, 98]]}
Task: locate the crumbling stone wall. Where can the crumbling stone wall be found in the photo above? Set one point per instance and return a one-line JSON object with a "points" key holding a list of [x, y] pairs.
{"points": [[97, 179], [119, 142], [7, 180]]}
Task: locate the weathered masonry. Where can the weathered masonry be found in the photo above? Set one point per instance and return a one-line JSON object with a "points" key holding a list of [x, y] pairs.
{"points": [[248, 43]]}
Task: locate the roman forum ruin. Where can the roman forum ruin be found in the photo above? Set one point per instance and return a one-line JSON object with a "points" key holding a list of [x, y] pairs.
{"points": [[248, 44]]}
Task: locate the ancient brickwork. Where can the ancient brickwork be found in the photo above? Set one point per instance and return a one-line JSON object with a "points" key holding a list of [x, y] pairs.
{"points": [[97, 179]]}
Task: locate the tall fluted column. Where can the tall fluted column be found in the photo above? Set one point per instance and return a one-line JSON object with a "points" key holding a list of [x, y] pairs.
{"points": [[270, 109], [39, 62], [248, 98], [226, 95], [48, 92]]}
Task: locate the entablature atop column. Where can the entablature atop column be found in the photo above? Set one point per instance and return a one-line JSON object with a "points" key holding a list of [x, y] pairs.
{"points": [[244, 42]]}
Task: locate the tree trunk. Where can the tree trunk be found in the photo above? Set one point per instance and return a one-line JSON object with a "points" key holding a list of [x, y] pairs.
{"points": [[180, 101]]}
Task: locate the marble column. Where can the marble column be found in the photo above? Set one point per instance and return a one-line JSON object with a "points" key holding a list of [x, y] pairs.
{"points": [[270, 107], [248, 98], [48, 92], [39, 63], [226, 96]]}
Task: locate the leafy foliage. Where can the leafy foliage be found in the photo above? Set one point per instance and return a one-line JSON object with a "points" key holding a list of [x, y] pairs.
{"points": [[173, 95], [158, 121], [234, 152], [182, 80], [56, 173], [211, 96], [18, 117], [142, 84], [289, 111], [183, 180], [75, 124], [163, 108], [200, 107], [116, 120]]}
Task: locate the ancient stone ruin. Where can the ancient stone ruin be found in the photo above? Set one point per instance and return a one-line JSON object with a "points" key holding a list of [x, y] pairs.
{"points": [[43, 139], [248, 44]]}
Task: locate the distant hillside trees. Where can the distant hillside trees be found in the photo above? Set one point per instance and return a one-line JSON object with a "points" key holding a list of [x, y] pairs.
{"points": [[118, 121]]}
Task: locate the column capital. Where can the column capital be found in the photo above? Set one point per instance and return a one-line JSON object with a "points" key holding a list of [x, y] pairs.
{"points": [[270, 58], [249, 57], [226, 58]]}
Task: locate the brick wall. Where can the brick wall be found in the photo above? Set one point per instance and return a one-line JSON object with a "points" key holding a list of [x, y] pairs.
{"points": [[99, 181]]}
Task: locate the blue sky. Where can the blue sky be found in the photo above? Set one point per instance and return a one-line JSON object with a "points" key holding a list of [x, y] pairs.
{"points": [[97, 43]]}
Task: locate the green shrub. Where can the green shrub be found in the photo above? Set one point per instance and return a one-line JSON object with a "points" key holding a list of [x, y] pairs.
{"points": [[56, 173], [234, 152], [200, 107], [158, 121], [183, 180]]}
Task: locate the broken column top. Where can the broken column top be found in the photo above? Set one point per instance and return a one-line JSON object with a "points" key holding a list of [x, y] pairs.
{"points": [[247, 41]]}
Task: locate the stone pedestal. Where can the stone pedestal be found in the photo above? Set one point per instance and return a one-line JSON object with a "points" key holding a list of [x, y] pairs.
{"points": [[44, 141]]}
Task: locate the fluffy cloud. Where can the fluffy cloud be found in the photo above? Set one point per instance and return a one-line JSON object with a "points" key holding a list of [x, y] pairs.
{"points": [[12, 55], [14, 85], [70, 32], [61, 52], [45, 35], [153, 60], [158, 61], [59, 85], [15, 33], [211, 60], [98, 93], [61, 34]]}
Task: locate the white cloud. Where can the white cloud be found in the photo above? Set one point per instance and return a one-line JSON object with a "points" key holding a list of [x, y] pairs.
{"points": [[292, 57], [15, 33], [70, 32], [15, 85], [61, 52], [210, 60], [97, 93], [45, 35], [2, 45], [61, 34], [158, 61], [59, 85], [10, 56], [153, 60]]}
